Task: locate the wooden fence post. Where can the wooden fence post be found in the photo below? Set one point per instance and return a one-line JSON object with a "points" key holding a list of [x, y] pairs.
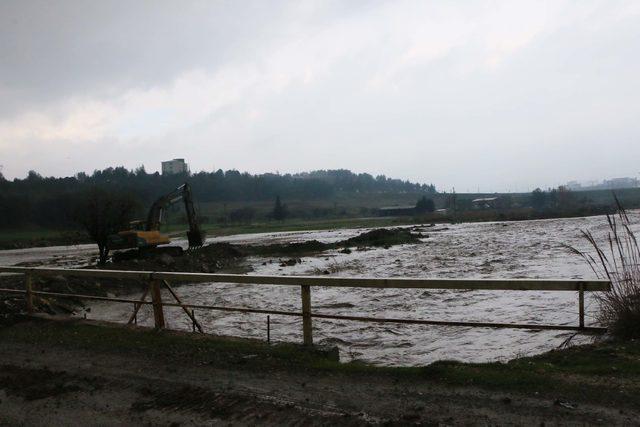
{"points": [[29, 295], [268, 329], [156, 298], [307, 332], [581, 304]]}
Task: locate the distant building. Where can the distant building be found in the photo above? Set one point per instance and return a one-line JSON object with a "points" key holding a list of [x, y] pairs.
{"points": [[620, 183], [397, 211], [574, 186], [607, 184], [175, 166]]}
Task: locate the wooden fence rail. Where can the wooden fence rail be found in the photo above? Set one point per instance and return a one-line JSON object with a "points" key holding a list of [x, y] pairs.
{"points": [[158, 279]]}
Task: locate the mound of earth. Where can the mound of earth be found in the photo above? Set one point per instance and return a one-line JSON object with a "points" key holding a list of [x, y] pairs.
{"points": [[207, 259], [380, 237], [295, 248], [383, 237]]}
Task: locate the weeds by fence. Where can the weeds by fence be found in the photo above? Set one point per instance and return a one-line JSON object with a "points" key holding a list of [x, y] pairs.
{"points": [[617, 259]]}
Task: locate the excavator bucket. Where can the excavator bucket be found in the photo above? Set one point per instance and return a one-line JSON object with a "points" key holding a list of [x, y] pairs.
{"points": [[196, 238]]}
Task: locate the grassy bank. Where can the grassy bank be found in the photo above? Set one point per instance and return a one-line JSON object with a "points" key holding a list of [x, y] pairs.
{"points": [[367, 204], [604, 374], [30, 238]]}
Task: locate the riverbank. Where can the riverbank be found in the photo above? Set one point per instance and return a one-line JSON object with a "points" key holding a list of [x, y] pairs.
{"points": [[128, 376]]}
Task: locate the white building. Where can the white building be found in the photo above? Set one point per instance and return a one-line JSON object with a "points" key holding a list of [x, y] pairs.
{"points": [[616, 183], [607, 184], [172, 167], [574, 186]]}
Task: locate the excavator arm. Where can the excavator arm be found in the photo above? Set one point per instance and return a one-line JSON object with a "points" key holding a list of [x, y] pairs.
{"points": [[156, 214], [195, 235]]}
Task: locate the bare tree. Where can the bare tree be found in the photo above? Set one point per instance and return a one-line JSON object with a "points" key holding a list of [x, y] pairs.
{"points": [[103, 213]]}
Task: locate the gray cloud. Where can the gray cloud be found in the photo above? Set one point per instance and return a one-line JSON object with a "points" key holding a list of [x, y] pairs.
{"points": [[52, 50], [482, 94]]}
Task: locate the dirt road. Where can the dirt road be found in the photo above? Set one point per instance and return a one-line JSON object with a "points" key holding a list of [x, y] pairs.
{"points": [[61, 375]]}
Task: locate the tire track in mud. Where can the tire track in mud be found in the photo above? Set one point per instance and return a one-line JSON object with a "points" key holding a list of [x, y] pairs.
{"points": [[131, 389]]}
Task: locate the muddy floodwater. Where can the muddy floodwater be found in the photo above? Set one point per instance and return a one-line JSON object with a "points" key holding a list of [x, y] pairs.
{"points": [[527, 249]]}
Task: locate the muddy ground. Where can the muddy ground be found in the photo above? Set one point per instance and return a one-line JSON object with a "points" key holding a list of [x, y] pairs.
{"points": [[212, 258], [68, 373]]}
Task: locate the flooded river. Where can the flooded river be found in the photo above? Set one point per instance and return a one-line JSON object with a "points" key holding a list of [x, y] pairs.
{"points": [[527, 249]]}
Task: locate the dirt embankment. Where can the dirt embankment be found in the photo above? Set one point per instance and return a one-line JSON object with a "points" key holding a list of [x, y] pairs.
{"points": [[211, 258], [381, 237], [78, 372]]}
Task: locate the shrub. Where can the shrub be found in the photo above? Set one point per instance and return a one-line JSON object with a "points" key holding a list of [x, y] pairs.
{"points": [[618, 260], [243, 215], [425, 205]]}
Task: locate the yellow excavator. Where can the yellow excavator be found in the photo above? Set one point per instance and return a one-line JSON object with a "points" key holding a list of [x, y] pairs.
{"points": [[146, 236]]}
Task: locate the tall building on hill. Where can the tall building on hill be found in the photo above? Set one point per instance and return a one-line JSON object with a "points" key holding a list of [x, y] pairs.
{"points": [[175, 166]]}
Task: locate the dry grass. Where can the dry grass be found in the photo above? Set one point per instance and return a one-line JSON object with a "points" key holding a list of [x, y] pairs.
{"points": [[617, 259]]}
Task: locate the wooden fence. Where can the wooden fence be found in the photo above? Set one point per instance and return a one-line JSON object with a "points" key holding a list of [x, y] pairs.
{"points": [[157, 280]]}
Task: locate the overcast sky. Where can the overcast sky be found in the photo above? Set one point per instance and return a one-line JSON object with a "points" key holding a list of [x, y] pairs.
{"points": [[488, 95]]}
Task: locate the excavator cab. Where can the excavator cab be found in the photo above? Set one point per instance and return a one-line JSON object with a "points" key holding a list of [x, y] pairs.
{"points": [[145, 235], [138, 224], [132, 239]]}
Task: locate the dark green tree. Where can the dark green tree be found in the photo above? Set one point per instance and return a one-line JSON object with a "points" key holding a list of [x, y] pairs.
{"points": [[538, 199], [279, 210], [425, 205]]}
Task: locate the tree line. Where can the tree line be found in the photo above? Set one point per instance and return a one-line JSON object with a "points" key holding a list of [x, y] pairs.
{"points": [[50, 201]]}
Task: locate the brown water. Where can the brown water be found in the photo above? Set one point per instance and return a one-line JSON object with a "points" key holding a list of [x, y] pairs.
{"points": [[527, 249]]}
